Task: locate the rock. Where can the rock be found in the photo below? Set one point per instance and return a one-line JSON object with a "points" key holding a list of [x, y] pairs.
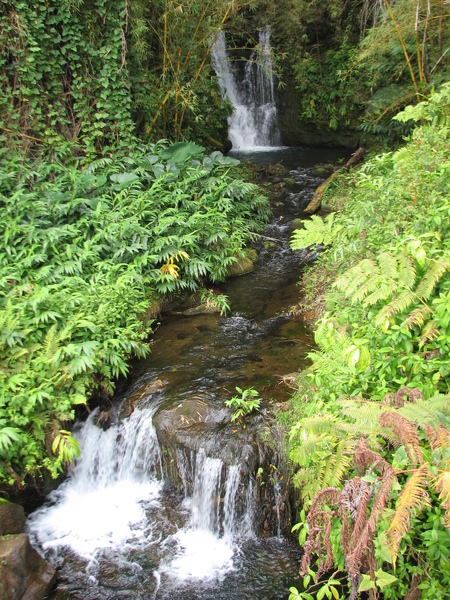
{"points": [[323, 170], [24, 574], [297, 224], [200, 309], [289, 181], [104, 420], [12, 519], [244, 264]]}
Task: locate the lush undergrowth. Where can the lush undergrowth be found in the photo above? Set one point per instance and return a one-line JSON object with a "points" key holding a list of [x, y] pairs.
{"points": [[370, 424], [87, 253]]}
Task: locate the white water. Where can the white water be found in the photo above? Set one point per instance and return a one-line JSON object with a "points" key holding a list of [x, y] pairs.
{"points": [[253, 124], [104, 504], [206, 546], [115, 497]]}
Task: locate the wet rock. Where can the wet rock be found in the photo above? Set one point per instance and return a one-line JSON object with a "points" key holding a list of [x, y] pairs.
{"points": [[200, 309], [104, 420], [290, 181], [324, 170], [24, 574], [244, 264], [12, 519]]}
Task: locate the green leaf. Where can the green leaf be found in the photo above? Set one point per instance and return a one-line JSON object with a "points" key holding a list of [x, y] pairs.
{"points": [[179, 152], [384, 579], [366, 583]]}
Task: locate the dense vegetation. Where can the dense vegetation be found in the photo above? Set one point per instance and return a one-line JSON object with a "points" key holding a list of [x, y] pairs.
{"points": [[87, 254], [370, 424]]}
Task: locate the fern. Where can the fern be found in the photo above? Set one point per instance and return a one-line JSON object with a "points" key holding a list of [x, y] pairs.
{"points": [[443, 487], [413, 498], [316, 231]]}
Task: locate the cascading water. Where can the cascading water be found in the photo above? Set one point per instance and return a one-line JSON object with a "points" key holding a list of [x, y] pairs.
{"points": [[113, 506], [253, 123]]}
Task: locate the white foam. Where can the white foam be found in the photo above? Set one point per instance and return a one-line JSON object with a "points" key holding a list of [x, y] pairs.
{"points": [[201, 555]]}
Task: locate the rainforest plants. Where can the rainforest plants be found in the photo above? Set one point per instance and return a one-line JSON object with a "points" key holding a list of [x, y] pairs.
{"points": [[88, 255], [370, 423], [248, 402]]}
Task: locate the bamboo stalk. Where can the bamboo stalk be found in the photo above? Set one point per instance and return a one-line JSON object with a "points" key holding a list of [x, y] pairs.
{"points": [[197, 75], [416, 31], [405, 51]]}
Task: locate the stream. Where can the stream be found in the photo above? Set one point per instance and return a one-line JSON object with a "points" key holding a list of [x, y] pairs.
{"points": [[169, 498]]}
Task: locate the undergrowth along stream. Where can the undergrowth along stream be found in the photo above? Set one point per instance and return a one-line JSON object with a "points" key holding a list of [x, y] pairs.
{"points": [[88, 254], [370, 424]]}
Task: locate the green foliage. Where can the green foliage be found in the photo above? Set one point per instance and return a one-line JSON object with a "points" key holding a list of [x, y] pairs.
{"points": [[87, 254], [316, 231], [215, 302], [63, 75], [246, 403], [387, 326]]}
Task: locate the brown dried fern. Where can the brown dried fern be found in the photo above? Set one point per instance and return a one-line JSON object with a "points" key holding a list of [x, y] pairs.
{"points": [[412, 499], [406, 433], [443, 487]]}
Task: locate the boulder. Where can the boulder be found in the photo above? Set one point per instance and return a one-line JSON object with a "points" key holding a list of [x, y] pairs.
{"points": [[243, 264], [24, 574], [12, 519]]}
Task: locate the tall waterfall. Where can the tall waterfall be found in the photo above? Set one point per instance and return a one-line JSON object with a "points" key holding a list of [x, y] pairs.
{"points": [[253, 123]]}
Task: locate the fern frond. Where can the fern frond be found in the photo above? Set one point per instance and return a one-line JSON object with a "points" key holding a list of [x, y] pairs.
{"points": [[406, 271], [388, 265], [443, 487], [397, 305], [423, 412], [406, 433], [338, 464], [316, 231], [431, 278], [412, 499], [417, 317], [439, 437], [365, 414], [307, 449], [429, 332]]}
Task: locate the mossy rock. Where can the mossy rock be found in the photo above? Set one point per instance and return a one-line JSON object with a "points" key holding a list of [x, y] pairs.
{"points": [[297, 224], [289, 181], [243, 264], [269, 245]]}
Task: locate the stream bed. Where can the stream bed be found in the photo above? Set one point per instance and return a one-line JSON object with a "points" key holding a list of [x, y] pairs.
{"points": [[169, 498]]}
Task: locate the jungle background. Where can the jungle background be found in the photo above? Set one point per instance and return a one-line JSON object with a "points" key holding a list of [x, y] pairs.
{"points": [[113, 196]]}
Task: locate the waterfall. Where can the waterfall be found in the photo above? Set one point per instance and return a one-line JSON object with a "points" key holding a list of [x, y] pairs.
{"points": [[207, 544], [115, 501], [103, 504], [253, 123]]}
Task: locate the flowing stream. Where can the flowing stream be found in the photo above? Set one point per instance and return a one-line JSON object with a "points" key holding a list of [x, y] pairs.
{"points": [[172, 500]]}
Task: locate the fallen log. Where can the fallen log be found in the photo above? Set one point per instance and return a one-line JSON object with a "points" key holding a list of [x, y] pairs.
{"points": [[315, 203]]}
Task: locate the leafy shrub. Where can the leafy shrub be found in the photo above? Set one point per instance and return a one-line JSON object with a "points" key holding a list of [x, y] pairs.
{"points": [[385, 334], [246, 403], [87, 254]]}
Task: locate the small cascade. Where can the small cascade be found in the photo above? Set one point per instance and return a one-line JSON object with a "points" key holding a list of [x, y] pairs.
{"points": [[104, 503], [207, 545], [253, 123]]}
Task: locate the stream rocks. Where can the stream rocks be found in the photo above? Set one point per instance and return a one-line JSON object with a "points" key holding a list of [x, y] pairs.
{"points": [[24, 574], [196, 425]]}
